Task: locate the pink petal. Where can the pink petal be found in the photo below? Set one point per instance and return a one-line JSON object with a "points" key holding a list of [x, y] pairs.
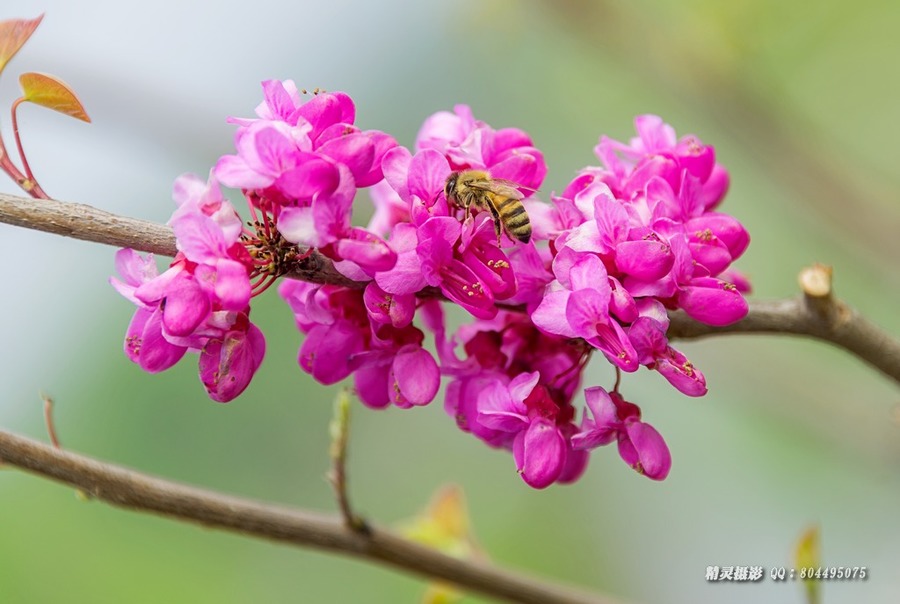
{"points": [[327, 349], [134, 269], [459, 283], [186, 306], [497, 410], [695, 157], [509, 139], [134, 334], [428, 174], [233, 171], [313, 176], [645, 450], [550, 315], [154, 352], [395, 166], [406, 277], [227, 366], [525, 169], [681, 373], [588, 272], [232, 284], [725, 228], [714, 188], [713, 302], [602, 407], [278, 101], [371, 385], [389, 309], [326, 109], [356, 151], [540, 454], [199, 238], [522, 385], [493, 268], [647, 259], [367, 250], [654, 133], [415, 377]]}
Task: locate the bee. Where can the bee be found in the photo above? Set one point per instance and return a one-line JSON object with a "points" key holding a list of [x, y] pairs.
{"points": [[501, 198]]}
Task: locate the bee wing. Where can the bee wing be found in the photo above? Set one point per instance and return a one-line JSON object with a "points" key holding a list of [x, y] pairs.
{"points": [[498, 186]]}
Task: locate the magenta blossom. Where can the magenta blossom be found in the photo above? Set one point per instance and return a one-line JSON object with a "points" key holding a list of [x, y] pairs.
{"points": [[302, 162], [623, 244], [366, 334], [469, 143], [201, 303], [538, 426], [292, 153], [613, 418]]}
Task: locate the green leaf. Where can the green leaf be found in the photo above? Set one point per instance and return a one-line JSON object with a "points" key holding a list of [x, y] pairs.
{"points": [[52, 93], [13, 35], [807, 554]]}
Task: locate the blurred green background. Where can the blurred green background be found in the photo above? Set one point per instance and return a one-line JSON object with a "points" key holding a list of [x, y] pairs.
{"points": [[800, 101]]}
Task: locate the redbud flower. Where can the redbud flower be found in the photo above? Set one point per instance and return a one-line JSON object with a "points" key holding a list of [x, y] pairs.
{"points": [[469, 143], [625, 242], [613, 418], [201, 303]]}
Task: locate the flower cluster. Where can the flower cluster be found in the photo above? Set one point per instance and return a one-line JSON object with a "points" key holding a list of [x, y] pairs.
{"points": [[303, 162], [202, 302], [625, 242]]}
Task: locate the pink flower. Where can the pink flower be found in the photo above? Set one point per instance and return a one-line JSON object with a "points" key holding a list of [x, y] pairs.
{"points": [[469, 143], [201, 302], [227, 364], [528, 413], [303, 162], [578, 305], [712, 301], [296, 147], [613, 418], [395, 372], [366, 334], [652, 346], [624, 242], [325, 224]]}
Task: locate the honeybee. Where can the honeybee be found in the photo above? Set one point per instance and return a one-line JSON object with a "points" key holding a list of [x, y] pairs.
{"points": [[501, 197]]}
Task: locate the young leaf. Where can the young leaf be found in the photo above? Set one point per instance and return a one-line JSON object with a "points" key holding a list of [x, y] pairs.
{"points": [[807, 554], [13, 34], [52, 93]]}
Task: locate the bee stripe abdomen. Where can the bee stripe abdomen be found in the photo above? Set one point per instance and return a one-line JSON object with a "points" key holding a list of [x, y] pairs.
{"points": [[506, 201], [516, 216]]}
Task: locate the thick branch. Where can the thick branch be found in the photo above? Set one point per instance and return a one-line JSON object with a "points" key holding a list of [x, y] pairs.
{"points": [[841, 326], [84, 222], [131, 490]]}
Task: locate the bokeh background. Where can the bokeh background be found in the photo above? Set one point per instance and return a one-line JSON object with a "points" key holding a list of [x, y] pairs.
{"points": [[800, 101]]}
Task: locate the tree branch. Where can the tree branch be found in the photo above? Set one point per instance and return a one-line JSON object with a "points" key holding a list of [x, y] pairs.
{"points": [[841, 326], [87, 223], [815, 316], [131, 490]]}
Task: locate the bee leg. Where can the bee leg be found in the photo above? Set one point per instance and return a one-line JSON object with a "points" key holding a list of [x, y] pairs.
{"points": [[498, 224]]}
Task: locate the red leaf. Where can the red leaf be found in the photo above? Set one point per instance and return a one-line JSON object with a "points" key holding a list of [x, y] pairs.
{"points": [[13, 34], [52, 93]]}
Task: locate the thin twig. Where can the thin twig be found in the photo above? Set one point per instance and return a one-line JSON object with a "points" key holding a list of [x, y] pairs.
{"points": [[48, 420], [846, 328], [135, 491], [340, 431]]}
